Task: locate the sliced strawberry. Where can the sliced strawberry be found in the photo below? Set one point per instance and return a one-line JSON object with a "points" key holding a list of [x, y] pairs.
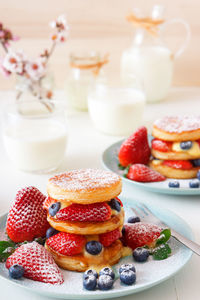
{"points": [[95, 212], [37, 262], [160, 145], [67, 243], [48, 201], [106, 239], [198, 141], [135, 149], [140, 234], [142, 173], [27, 219], [178, 164]]}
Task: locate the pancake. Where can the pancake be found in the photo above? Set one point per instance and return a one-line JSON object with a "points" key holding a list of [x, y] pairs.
{"points": [[81, 262], [84, 186], [177, 128], [172, 172], [87, 228], [172, 155]]}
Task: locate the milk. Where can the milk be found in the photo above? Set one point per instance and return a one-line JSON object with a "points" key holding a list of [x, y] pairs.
{"points": [[152, 66], [116, 111], [36, 146]]}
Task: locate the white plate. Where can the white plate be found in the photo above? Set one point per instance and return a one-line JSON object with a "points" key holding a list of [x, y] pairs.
{"points": [[148, 274]]}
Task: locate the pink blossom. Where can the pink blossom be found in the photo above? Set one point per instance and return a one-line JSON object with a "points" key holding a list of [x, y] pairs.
{"points": [[59, 37], [35, 69], [14, 62], [2, 69], [60, 23]]}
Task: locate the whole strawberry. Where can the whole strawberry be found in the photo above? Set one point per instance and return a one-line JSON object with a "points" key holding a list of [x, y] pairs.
{"points": [[37, 262], [140, 234], [27, 219], [142, 173]]}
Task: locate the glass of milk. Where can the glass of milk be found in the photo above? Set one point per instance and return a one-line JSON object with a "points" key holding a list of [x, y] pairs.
{"points": [[35, 135], [149, 59], [116, 110]]}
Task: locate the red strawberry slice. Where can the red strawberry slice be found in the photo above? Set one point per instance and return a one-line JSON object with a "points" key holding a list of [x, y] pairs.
{"points": [[160, 145], [142, 173], [140, 234], [95, 212], [178, 164], [135, 149], [67, 243], [37, 262], [109, 237], [48, 201], [27, 219]]}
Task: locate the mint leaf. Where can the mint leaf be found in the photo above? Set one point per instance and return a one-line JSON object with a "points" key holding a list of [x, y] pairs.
{"points": [[6, 249], [162, 252], [164, 237]]}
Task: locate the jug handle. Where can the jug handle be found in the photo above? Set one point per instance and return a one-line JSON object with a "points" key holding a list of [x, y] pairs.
{"points": [[187, 37]]}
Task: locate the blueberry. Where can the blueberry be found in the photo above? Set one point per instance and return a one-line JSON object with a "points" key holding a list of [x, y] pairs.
{"points": [[90, 272], [50, 232], [186, 145], [105, 282], [133, 219], [198, 174], [114, 204], [174, 184], [128, 277], [107, 271], [140, 254], [16, 271], [90, 282], [93, 247], [196, 162], [54, 208], [194, 183], [125, 267]]}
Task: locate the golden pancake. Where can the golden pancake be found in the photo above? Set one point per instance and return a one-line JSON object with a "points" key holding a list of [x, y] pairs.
{"points": [[177, 128], [172, 155], [172, 172], [81, 262], [84, 186], [87, 228]]}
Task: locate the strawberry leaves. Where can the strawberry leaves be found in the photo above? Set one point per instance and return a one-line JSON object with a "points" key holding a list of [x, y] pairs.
{"points": [[6, 249]]}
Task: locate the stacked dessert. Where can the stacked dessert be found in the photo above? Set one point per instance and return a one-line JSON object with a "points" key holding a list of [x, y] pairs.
{"points": [[176, 147], [86, 218]]}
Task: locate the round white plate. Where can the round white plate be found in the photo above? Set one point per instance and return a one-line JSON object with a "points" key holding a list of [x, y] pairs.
{"points": [[148, 274], [110, 162]]}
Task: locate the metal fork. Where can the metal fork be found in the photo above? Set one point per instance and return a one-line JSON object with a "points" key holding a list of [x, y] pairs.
{"points": [[146, 215]]}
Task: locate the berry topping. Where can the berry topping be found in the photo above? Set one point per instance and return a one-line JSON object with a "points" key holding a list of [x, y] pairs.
{"points": [[90, 272], [105, 282], [126, 267], [108, 238], [142, 173], [16, 271], [90, 282], [161, 146], [196, 162], [133, 219], [95, 212], [50, 232], [198, 174], [186, 145], [54, 208], [115, 204], [140, 234], [178, 164], [93, 247], [66, 243], [48, 201], [135, 149], [128, 277], [107, 271], [140, 254], [27, 219], [194, 183], [174, 184], [37, 262]]}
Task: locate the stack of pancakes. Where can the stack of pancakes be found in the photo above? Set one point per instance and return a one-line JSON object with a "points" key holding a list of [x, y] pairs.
{"points": [[182, 137], [85, 187]]}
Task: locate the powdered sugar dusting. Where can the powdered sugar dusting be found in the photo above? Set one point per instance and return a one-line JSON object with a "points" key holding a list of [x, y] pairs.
{"points": [[84, 179], [178, 124]]}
